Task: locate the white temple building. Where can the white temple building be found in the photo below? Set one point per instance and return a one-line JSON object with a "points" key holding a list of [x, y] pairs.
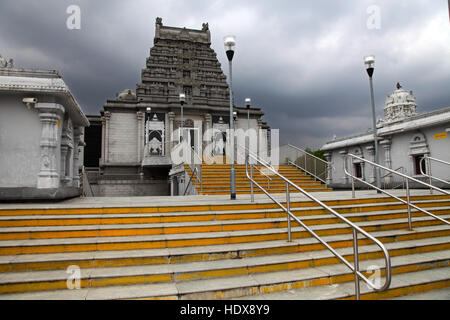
{"points": [[41, 135], [404, 138]]}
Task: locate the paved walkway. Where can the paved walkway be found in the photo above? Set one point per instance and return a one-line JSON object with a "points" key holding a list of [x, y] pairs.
{"points": [[112, 202]]}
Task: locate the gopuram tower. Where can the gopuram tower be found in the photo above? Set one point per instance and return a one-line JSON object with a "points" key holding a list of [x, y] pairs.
{"points": [[140, 127]]}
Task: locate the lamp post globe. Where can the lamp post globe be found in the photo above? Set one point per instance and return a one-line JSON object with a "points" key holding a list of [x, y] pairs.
{"points": [[230, 44]]}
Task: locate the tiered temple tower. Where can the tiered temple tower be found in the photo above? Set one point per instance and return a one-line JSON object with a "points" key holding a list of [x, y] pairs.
{"points": [[139, 127]]}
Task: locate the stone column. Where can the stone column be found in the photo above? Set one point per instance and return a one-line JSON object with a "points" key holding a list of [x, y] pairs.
{"points": [[50, 115], [76, 156], [345, 177], [258, 133], [386, 144], [103, 141], [171, 129], [140, 134], [371, 153], [208, 126], [329, 179], [106, 139]]}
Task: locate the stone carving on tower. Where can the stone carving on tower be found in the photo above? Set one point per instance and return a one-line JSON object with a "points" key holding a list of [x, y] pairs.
{"points": [[399, 105], [182, 61], [6, 63]]}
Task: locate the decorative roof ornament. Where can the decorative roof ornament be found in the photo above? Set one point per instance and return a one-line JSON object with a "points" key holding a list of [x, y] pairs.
{"points": [[399, 105], [159, 21], [127, 94], [205, 26], [6, 63]]}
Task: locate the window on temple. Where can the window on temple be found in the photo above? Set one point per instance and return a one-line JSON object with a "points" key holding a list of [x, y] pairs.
{"points": [[357, 170], [186, 74], [418, 163], [187, 91]]}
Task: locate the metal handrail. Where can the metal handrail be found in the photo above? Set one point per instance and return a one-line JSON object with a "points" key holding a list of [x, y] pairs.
{"points": [[300, 168], [190, 180], [407, 179], [199, 168], [254, 155], [388, 174], [313, 174], [430, 177], [356, 229]]}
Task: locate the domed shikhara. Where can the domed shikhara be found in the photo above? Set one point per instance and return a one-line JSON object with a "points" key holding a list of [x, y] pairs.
{"points": [[127, 94], [399, 105]]}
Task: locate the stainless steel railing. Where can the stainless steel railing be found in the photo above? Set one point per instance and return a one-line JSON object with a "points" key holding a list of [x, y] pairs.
{"points": [[312, 165], [407, 178], [197, 167], [356, 230], [428, 173], [385, 184], [190, 181]]}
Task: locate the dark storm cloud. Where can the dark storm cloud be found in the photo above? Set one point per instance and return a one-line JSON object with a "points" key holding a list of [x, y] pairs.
{"points": [[300, 61]]}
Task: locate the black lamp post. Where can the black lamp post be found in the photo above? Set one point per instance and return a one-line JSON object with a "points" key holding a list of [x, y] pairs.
{"points": [[248, 102], [369, 62], [230, 43], [182, 100]]}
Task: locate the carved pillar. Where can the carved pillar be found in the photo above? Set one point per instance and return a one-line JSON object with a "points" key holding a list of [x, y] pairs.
{"points": [[50, 115], [171, 129], [140, 134], [329, 179], [345, 164], [371, 153], [259, 122], [106, 139], [102, 159], [386, 144], [208, 126], [67, 149], [76, 156]]}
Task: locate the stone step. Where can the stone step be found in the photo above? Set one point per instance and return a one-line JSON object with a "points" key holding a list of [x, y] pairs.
{"points": [[110, 219], [417, 285], [207, 253], [13, 247], [246, 279], [210, 204], [110, 230]]}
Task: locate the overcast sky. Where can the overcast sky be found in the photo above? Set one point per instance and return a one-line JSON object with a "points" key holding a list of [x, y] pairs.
{"points": [[300, 61]]}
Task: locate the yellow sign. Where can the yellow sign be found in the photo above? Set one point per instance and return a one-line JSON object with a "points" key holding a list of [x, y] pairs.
{"points": [[441, 135]]}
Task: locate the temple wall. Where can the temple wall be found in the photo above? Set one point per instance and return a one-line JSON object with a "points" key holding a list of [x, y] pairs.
{"points": [[123, 140], [20, 135]]}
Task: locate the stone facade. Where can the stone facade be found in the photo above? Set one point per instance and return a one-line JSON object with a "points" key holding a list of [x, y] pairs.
{"points": [[41, 135], [404, 138], [139, 127]]}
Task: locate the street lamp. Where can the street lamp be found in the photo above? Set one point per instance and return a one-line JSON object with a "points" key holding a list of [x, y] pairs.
{"points": [[369, 62], [230, 43], [248, 102], [182, 100]]}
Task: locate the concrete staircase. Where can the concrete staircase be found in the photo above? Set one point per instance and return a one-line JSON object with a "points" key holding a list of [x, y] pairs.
{"points": [[216, 180], [213, 248]]}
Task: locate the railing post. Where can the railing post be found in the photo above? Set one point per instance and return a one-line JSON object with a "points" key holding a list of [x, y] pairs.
{"points": [[315, 169], [356, 263], [353, 179], [288, 206], [429, 173], [251, 182], [409, 207]]}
